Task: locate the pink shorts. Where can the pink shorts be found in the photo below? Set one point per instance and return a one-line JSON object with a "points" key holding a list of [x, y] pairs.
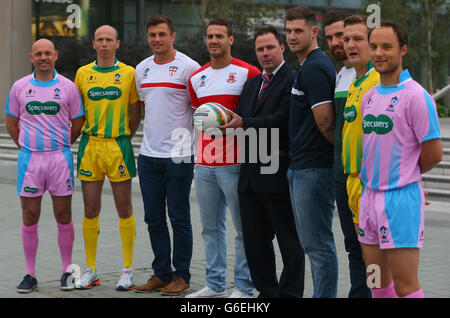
{"points": [[392, 219], [38, 172]]}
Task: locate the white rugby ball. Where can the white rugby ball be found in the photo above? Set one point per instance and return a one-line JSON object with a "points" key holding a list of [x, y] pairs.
{"points": [[210, 115]]}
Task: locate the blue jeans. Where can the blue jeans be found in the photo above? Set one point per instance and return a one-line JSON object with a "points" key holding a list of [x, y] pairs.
{"points": [[216, 189], [161, 180], [357, 266], [312, 197]]}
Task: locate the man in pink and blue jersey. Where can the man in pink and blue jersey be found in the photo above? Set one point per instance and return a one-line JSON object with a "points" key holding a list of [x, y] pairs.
{"points": [[401, 140], [44, 116]]}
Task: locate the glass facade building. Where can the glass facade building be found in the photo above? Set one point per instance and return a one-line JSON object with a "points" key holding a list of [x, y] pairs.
{"points": [[50, 17]]}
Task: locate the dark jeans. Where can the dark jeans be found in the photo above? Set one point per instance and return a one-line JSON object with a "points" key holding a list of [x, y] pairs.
{"points": [[161, 180], [357, 266]]}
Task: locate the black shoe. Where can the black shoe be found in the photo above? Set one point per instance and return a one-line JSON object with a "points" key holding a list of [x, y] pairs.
{"points": [[67, 282], [28, 284]]}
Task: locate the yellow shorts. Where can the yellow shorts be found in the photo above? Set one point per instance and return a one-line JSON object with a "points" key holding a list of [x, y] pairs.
{"points": [[354, 189], [98, 157]]}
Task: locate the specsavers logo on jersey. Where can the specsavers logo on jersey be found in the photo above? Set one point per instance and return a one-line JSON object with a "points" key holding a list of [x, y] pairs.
{"points": [[99, 93], [350, 113], [381, 125], [38, 108]]}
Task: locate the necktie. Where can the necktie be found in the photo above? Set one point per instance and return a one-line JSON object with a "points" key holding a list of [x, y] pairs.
{"points": [[266, 80]]}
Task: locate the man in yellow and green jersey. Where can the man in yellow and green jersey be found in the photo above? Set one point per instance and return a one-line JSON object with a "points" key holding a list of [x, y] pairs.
{"points": [[113, 114], [356, 46]]}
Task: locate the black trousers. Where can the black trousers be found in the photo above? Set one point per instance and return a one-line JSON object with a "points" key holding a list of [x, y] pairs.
{"points": [[263, 217]]}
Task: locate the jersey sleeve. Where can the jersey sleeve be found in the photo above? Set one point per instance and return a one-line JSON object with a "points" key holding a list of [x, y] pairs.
{"points": [[134, 94], [137, 79], [193, 95], [12, 107], [315, 83], [76, 107], [78, 83], [252, 72], [423, 118]]}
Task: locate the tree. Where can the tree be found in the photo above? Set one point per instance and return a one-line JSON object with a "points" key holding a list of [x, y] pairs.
{"points": [[427, 25]]}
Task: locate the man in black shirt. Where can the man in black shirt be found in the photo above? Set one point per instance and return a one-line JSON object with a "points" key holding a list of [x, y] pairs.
{"points": [[311, 134]]}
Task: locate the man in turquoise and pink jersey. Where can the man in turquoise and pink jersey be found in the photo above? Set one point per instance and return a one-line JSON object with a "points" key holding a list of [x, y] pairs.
{"points": [[401, 140], [44, 115], [217, 172]]}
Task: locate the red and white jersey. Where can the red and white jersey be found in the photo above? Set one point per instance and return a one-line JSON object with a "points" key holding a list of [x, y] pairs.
{"points": [[223, 86], [164, 90]]}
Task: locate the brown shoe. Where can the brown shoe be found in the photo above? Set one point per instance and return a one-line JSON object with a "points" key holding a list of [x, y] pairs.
{"points": [[153, 284], [175, 288]]}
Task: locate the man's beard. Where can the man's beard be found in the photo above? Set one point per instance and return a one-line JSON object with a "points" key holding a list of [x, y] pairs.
{"points": [[339, 56]]}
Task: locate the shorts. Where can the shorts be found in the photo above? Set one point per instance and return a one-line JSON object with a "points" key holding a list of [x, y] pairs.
{"points": [[113, 157], [354, 189], [39, 171], [394, 218]]}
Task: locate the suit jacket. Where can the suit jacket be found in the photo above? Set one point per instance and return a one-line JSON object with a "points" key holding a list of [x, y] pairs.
{"points": [[272, 111]]}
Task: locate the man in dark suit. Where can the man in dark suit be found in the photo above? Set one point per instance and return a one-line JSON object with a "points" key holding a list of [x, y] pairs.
{"points": [[264, 199]]}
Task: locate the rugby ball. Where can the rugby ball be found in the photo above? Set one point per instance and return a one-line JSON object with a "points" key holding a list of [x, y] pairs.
{"points": [[210, 115]]}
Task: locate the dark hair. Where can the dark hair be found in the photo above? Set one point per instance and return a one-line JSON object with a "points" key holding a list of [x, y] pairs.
{"points": [[355, 19], [223, 22], [269, 29], [302, 13], [358, 19], [399, 30], [158, 19], [334, 15]]}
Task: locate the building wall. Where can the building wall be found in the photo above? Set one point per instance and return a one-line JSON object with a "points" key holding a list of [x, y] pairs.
{"points": [[15, 32]]}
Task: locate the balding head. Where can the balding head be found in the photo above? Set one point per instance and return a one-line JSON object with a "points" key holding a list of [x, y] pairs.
{"points": [[43, 44], [43, 56], [106, 29]]}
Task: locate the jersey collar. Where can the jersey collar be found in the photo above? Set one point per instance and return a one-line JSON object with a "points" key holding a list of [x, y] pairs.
{"points": [[50, 83], [113, 68], [369, 68], [404, 77]]}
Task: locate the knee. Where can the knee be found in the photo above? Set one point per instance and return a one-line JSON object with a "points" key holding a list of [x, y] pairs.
{"points": [[92, 210]]}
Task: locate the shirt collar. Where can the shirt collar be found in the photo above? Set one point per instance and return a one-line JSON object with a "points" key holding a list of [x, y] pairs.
{"points": [[276, 70], [404, 77]]}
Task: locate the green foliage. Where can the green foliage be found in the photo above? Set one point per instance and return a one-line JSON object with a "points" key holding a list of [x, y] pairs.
{"points": [[442, 110]]}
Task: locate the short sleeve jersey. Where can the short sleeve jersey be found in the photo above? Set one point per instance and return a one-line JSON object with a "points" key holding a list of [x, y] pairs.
{"points": [[396, 121], [107, 93], [352, 131], [313, 86], [168, 124], [45, 110], [344, 79], [223, 86]]}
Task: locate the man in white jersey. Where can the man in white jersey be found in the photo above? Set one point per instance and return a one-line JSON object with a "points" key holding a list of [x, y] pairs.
{"points": [[44, 115], [217, 172], [333, 22], [165, 173]]}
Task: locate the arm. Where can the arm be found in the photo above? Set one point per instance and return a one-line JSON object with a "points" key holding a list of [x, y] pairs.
{"points": [[325, 120], [135, 117], [77, 124], [12, 126], [431, 155]]}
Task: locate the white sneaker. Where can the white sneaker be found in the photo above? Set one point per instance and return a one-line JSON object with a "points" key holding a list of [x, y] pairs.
{"points": [[205, 292], [126, 281], [238, 294], [88, 279]]}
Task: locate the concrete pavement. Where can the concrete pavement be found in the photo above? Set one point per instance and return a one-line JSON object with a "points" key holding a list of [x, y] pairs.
{"points": [[434, 262]]}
